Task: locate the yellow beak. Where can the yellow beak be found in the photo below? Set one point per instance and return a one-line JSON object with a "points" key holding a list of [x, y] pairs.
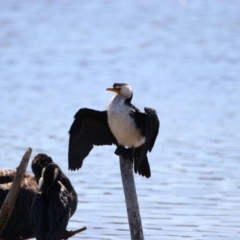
{"points": [[116, 90]]}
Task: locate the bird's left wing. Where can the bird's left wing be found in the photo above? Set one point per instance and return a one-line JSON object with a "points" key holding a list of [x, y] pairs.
{"points": [[150, 126], [89, 128], [153, 125]]}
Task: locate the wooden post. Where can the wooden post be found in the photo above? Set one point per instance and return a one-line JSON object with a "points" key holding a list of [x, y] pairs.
{"points": [[10, 200], [133, 212]]}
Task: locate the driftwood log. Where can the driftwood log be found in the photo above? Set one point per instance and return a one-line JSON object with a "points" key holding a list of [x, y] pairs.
{"points": [[10, 200], [134, 218]]}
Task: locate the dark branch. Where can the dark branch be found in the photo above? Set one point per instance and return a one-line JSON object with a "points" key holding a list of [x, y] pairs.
{"points": [[71, 233]]}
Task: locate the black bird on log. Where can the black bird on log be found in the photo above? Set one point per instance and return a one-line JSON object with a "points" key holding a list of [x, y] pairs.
{"points": [[54, 204], [42, 160]]}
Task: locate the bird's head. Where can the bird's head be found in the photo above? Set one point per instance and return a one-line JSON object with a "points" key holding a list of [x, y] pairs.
{"points": [[50, 174], [122, 89], [38, 163]]}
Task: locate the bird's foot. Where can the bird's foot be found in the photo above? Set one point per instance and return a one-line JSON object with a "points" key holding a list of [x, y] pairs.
{"points": [[126, 153]]}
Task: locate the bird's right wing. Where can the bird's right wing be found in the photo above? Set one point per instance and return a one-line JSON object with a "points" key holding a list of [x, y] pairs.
{"points": [[90, 127]]}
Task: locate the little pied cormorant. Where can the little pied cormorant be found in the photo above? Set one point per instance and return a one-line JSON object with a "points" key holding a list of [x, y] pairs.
{"points": [[121, 124], [55, 202]]}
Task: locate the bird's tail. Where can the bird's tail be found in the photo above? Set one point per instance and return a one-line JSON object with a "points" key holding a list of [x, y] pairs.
{"points": [[141, 166]]}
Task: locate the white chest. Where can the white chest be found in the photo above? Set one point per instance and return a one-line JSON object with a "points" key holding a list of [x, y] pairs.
{"points": [[122, 125]]}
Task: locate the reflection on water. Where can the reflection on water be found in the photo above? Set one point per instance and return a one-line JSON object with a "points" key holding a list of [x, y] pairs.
{"points": [[58, 56]]}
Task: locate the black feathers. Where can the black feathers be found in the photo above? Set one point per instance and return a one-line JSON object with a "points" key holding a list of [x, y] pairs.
{"points": [[38, 163], [55, 202], [89, 128], [50, 212], [151, 131]]}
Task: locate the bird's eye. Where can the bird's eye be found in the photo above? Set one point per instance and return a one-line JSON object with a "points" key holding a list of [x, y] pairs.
{"points": [[117, 85]]}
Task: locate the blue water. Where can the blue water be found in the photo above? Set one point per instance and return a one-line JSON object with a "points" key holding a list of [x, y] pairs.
{"points": [[181, 58]]}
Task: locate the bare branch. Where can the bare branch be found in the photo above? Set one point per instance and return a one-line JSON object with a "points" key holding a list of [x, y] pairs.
{"points": [[69, 234]]}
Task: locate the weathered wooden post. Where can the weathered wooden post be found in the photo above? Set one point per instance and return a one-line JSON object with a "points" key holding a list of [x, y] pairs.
{"points": [[129, 188], [10, 200]]}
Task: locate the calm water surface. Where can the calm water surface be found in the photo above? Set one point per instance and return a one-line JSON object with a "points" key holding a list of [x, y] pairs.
{"points": [[181, 59]]}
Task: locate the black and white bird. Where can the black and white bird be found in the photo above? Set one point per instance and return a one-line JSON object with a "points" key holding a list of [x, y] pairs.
{"points": [[133, 132], [54, 204]]}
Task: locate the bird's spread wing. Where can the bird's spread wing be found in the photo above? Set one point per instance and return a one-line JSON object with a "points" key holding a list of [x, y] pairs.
{"points": [[149, 123], [90, 127]]}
